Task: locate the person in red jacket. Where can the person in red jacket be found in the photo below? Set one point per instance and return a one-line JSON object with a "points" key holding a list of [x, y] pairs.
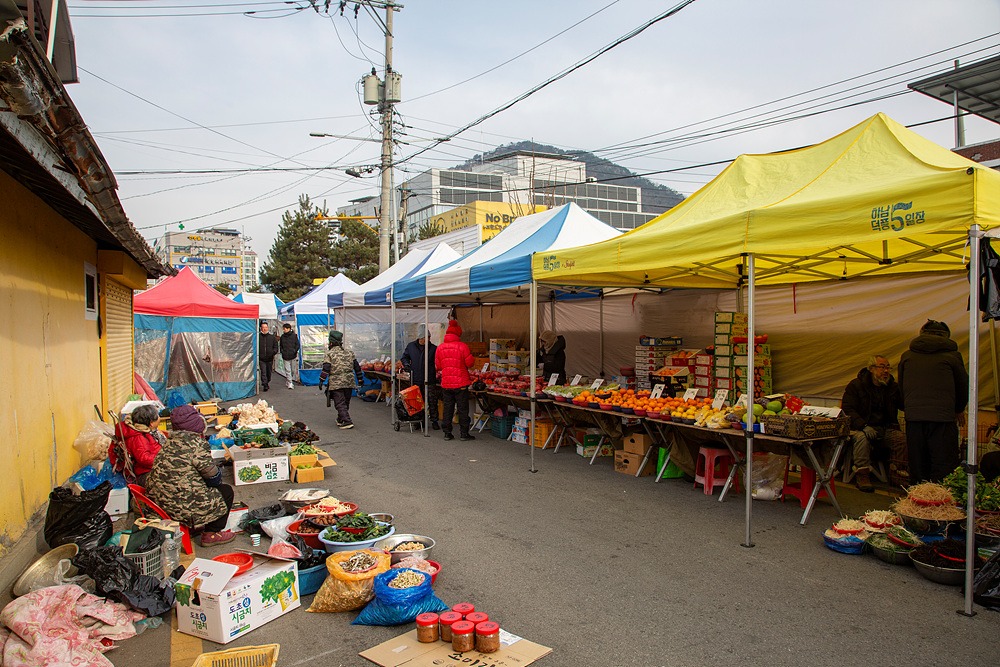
{"points": [[138, 431], [453, 360]]}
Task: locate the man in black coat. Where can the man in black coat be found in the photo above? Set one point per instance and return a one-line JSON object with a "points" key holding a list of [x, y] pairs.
{"points": [[872, 401], [267, 349], [413, 362], [935, 388], [289, 346]]}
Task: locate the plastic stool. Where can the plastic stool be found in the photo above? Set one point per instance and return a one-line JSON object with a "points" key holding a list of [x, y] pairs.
{"points": [[705, 472], [804, 488]]}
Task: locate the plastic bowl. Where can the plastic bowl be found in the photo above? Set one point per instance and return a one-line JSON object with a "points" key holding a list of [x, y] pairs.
{"points": [[606, 407], [353, 508], [311, 579], [987, 541], [593, 405], [560, 399], [389, 543], [243, 562], [437, 568], [616, 408], [639, 413], [628, 411], [311, 539], [333, 547]]}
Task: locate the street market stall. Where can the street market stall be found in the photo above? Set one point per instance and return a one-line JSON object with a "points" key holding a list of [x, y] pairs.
{"points": [[312, 321], [193, 342]]}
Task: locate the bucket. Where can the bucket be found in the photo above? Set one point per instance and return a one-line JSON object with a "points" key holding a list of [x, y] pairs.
{"points": [[311, 579]]}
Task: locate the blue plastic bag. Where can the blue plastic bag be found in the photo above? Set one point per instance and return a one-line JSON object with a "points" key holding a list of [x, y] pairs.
{"points": [[395, 606], [215, 442]]}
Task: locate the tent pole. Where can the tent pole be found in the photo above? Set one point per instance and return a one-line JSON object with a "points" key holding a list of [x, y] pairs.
{"points": [[427, 347], [601, 320], [392, 361], [993, 362], [975, 238], [552, 312], [480, 321], [533, 355], [748, 464]]}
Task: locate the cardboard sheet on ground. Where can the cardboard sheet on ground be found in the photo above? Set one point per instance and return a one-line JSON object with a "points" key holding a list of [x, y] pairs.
{"points": [[406, 650]]}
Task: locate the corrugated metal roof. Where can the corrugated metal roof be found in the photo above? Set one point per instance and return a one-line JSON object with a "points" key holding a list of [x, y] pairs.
{"points": [[977, 86]]}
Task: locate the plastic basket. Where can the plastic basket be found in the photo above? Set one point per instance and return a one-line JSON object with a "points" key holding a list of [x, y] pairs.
{"points": [[244, 436], [265, 655], [501, 427], [148, 562]]}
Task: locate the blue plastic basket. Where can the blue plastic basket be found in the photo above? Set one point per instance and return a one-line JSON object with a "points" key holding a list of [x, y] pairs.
{"points": [[311, 579], [501, 427]]}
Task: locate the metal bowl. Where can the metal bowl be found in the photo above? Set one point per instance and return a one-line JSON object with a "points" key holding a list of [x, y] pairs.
{"points": [[986, 541], [389, 543], [940, 575], [890, 556], [42, 572], [926, 526], [384, 517]]}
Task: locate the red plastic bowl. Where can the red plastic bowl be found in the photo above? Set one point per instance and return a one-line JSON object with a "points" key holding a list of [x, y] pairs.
{"points": [[353, 531], [353, 506], [639, 413], [311, 539], [437, 566], [243, 562]]}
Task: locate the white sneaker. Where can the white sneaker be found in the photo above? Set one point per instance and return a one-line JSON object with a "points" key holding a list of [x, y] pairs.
{"points": [[290, 385]]}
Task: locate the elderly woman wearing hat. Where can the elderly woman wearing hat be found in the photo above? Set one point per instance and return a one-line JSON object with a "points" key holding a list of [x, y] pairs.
{"points": [[187, 484], [552, 355]]}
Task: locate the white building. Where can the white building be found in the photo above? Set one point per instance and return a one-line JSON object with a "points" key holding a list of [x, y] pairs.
{"points": [[251, 271], [216, 255]]}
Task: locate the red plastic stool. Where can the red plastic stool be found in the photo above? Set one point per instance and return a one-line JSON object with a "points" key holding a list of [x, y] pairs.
{"points": [[804, 488], [705, 473]]}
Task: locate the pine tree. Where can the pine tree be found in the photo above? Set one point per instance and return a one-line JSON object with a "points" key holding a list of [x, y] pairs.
{"points": [[356, 252], [429, 230], [301, 252]]}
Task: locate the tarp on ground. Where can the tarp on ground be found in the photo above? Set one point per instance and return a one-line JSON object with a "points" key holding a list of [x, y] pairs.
{"points": [[500, 269], [313, 320], [375, 292], [878, 199], [192, 341]]}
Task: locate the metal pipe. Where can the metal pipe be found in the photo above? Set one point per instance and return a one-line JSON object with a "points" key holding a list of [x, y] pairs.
{"points": [[975, 237], [601, 311], [392, 362], [748, 464], [533, 355], [427, 347]]}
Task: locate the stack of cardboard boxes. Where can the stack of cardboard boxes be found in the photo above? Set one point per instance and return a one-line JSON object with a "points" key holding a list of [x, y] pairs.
{"points": [[500, 349], [522, 424], [730, 365], [652, 354], [630, 457], [704, 374]]}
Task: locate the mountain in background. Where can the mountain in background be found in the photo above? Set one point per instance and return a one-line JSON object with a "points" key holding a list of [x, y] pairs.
{"points": [[656, 198]]}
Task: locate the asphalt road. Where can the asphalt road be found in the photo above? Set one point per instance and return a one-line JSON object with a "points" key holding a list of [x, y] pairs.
{"points": [[604, 568]]}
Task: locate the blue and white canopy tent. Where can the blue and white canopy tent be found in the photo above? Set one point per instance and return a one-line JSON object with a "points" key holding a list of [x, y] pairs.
{"points": [[499, 271], [312, 321]]}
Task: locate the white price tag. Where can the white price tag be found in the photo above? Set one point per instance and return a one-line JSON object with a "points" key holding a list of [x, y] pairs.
{"points": [[553, 379], [691, 394], [742, 401], [657, 391], [720, 398], [575, 381], [486, 367], [597, 383]]}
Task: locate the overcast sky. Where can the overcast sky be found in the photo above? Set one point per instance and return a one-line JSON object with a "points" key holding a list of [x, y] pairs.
{"points": [[224, 92]]}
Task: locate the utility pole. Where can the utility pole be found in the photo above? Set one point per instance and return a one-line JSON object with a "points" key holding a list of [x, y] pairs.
{"points": [[386, 110]]}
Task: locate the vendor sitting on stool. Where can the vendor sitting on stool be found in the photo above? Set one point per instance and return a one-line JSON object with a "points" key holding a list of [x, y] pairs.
{"points": [[872, 401], [142, 441], [187, 484]]}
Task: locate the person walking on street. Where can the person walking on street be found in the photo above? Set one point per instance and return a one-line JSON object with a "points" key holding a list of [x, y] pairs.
{"points": [[453, 359], [935, 388], [267, 349], [340, 375], [413, 362], [289, 347]]}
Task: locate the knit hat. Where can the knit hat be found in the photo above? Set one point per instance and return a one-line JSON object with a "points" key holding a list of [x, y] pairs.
{"points": [[454, 328], [336, 337], [548, 338], [936, 328], [187, 418]]}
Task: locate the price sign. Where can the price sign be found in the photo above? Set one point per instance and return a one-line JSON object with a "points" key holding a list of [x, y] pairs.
{"points": [[691, 394], [486, 367], [597, 383], [657, 391], [553, 379], [720, 398], [742, 401], [575, 381]]}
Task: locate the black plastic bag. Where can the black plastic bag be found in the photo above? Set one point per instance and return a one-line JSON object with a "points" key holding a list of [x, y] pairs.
{"points": [[118, 579], [310, 557], [986, 584], [250, 522], [80, 519], [148, 595]]}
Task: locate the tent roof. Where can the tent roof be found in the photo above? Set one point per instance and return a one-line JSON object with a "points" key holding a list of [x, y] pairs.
{"points": [[500, 269], [877, 199], [269, 303], [375, 292], [314, 301], [187, 295]]}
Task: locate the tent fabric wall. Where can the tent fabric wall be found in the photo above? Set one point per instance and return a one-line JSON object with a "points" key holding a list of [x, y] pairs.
{"points": [[312, 321]]}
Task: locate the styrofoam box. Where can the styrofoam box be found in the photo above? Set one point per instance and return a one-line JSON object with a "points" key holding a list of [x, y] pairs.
{"points": [[117, 502]]}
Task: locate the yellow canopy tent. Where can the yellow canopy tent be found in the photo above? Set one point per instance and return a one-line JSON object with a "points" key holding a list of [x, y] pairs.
{"points": [[877, 199]]}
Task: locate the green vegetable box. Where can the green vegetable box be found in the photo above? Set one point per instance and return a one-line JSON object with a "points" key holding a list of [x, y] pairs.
{"points": [[257, 466], [216, 604]]}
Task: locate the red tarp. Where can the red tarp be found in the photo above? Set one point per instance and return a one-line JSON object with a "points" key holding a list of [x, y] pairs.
{"points": [[187, 295]]}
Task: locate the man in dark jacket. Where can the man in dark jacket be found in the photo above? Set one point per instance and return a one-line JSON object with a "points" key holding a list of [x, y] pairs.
{"points": [[289, 346], [267, 349], [413, 362], [872, 401], [935, 387], [453, 358]]}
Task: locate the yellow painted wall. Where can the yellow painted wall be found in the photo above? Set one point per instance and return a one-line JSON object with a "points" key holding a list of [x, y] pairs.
{"points": [[49, 353], [493, 217]]}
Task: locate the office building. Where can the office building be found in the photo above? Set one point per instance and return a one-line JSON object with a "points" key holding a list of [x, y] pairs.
{"points": [[216, 255]]}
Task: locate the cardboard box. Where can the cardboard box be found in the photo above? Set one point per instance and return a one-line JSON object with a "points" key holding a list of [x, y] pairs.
{"points": [[406, 650], [207, 408], [637, 443], [702, 381], [703, 359], [723, 383], [117, 502], [628, 463], [305, 475], [501, 345], [724, 350], [725, 316], [667, 340], [588, 451], [722, 339], [271, 465], [759, 348], [301, 459], [215, 604], [803, 428]]}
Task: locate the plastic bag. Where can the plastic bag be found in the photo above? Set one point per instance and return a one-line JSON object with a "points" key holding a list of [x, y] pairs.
{"points": [[768, 475], [395, 606], [108, 567], [283, 549], [250, 522], [80, 519], [278, 528], [94, 440], [346, 591], [986, 584]]}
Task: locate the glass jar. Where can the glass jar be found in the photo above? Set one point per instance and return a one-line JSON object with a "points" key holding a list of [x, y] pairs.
{"points": [[427, 628], [488, 637], [463, 636], [477, 617], [464, 608], [445, 622]]}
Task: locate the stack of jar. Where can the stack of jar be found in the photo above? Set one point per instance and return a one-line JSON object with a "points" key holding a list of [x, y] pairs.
{"points": [[463, 626]]}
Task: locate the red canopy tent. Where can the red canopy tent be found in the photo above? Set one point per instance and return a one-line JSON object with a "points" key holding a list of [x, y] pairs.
{"points": [[187, 295]]}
